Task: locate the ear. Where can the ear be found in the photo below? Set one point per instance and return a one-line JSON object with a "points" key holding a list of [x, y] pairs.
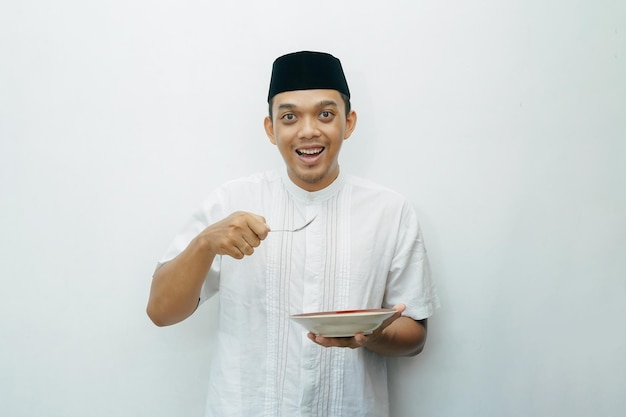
{"points": [[350, 124], [269, 129]]}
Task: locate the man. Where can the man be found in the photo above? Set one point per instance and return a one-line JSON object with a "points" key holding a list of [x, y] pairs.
{"points": [[363, 250]]}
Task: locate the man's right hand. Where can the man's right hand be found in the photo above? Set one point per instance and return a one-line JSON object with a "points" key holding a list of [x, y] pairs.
{"points": [[237, 235], [176, 284]]}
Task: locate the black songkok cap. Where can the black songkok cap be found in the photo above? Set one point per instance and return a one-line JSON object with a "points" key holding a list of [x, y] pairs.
{"points": [[307, 71]]}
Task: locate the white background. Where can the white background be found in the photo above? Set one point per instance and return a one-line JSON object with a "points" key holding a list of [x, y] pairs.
{"points": [[503, 121]]}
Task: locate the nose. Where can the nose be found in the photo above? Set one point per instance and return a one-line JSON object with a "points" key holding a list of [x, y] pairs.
{"points": [[308, 128]]}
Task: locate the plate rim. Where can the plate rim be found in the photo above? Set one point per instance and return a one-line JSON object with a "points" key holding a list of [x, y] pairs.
{"points": [[344, 313]]}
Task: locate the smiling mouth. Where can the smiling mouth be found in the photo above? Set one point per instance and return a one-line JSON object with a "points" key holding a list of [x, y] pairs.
{"points": [[310, 151]]}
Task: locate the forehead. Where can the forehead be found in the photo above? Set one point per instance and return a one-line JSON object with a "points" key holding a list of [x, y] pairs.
{"points": [[306, 98]]}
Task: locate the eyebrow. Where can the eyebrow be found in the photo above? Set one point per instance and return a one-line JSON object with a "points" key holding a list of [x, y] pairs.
{"points": [[323, 103], [326, 103], [286, 106]]}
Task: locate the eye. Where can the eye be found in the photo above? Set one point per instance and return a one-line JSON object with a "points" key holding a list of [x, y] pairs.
{"points": [[326, 115], [288, 117]]}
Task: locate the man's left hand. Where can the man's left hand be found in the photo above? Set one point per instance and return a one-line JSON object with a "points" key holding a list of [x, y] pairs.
{"points": [[359, 339]]}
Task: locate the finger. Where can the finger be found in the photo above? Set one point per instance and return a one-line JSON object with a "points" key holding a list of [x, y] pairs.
{"points": [[226, 246], [342, 342], [399, 310], [250, 241], [360, 338], [245, 248], [236, 248], [258, 226], [235, 253]]}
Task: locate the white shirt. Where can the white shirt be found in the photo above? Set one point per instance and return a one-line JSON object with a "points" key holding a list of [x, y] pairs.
{"points": [[364, 250]]}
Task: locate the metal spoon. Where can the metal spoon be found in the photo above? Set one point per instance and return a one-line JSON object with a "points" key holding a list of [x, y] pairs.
{"points": [[296, 229]]}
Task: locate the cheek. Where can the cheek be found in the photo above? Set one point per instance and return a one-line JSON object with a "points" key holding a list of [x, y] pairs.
{"points": [[283, 146], [335, 136], [283, 138]]}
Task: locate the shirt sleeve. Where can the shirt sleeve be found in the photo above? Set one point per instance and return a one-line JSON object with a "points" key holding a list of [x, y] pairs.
{"points": [[196, 224], [409, 281]]}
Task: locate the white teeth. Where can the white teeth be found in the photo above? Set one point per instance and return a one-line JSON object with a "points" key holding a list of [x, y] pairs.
{"points": [[309, 151]]}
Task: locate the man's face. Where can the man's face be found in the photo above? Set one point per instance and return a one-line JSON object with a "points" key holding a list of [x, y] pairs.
{"points": [[309, 127]]}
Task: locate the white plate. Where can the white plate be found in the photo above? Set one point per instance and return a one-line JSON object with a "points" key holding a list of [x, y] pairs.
{"points": [[344, 323]]}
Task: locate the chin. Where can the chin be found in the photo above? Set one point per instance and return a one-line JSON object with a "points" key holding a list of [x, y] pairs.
{"points": [[318, 181], [314, 177]]}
